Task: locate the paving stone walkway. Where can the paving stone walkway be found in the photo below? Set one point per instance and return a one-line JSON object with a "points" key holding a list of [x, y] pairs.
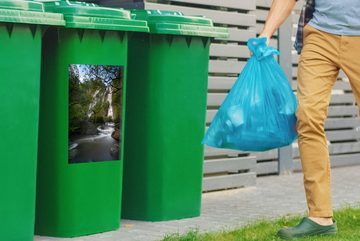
{"points": [[273, 196]]}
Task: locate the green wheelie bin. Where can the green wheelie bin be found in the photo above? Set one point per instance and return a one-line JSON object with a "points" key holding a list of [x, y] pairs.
{"points": [[22, 24], [166, 109], [82, 106]]}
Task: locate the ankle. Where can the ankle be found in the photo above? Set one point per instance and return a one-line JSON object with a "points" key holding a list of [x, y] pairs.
{"points": [[322, 220]]}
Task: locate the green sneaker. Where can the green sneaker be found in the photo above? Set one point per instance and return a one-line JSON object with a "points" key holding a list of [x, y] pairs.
{"points": [[307, 227]]}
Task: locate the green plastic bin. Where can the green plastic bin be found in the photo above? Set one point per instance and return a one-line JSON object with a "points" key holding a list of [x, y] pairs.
{"points": [[22, 24], [166, 108], [82, 110]]}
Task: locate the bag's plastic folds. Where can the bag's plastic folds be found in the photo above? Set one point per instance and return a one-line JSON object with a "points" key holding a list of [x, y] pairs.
{"points": [[259, 112]]}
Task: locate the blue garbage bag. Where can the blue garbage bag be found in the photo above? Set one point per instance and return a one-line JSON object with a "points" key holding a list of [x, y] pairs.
{"points": [[258, 114]]}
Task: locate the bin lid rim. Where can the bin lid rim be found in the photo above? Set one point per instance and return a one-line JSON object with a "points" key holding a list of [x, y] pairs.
{"points": [[85, 9], [28, 12], [117, 24], [176, 23], [157, 16], [21, 5], [92, 16]]}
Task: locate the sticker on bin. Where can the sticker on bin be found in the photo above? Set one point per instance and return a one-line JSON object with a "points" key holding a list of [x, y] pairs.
{"points": [[95, 112]]}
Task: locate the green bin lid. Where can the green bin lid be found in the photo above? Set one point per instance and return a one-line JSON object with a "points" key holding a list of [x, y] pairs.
{"points": [[20, 11], [171, 22], [92, 16]]}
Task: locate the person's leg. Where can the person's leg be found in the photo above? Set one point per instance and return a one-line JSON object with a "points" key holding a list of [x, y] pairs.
{"points": [[318, 70], [350, 62]]}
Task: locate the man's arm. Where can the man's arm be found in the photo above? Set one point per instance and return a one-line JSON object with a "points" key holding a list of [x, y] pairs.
{"points": [[279, 12]]}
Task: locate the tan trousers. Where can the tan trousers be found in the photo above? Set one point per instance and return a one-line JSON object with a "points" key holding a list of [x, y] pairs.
{"points": [[321, 59]]}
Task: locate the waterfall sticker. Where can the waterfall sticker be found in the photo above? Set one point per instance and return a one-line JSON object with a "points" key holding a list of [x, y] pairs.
{"points": [[95, 112]]}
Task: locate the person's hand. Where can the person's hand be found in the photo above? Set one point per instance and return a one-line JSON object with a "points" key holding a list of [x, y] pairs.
{"points": [[267, 38], [267, 41]]}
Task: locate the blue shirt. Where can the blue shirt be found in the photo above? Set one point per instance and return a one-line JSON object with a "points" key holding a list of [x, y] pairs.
{"points": [[340, 17]]}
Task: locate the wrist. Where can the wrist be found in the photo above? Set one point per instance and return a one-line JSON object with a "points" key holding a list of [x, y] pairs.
{"points": [[265, 34]]}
